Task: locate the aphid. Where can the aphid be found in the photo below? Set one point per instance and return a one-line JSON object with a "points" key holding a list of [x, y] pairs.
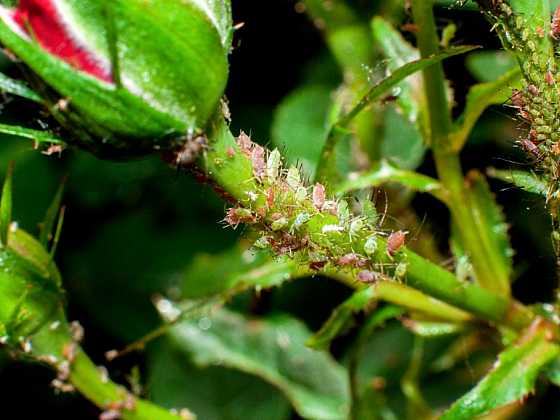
{"points": [[540, 31], [190, 151], [317, 265], [530, 148], [400, 270], [330, 206], [111, 355], [319, 196], [62, 386], [245, 144], [352, 259], [332, 228], [343, 212], [395, 242], [410, 27], [370, 246], [62, 104], [555, 25], [257, 159], [388, 99], [238, 215], [293, 178], [533, 90], [129, 402], [273, 164], [52, 149], [270, 196], [517, 99], [110, 415], [69, 351], [230, 152], [356, 226], [299, 221], [366, 276], [77, 331], [549, 78]]}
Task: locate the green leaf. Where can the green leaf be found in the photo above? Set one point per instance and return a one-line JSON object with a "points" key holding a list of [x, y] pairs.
{"points": [[383, 172], [6, 205], [492, 228], [233, 271], [397, 76], [511, 379], [212, 393], [300, 126], [341, 318], [18, 88], [274, 350], [479, 98], [30, 249], [402, 143], [527, 181], [489, 66], [338, 131], [50, 218], [28, 133], [398, 53]]}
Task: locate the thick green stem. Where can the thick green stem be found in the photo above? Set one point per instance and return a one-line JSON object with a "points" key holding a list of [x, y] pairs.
{"points": [[489, 273], [232, 172], [55, 345], [88, 379]]}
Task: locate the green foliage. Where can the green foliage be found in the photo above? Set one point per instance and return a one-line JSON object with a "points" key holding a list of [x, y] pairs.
{"points": [[512, 378], [273, 349]]}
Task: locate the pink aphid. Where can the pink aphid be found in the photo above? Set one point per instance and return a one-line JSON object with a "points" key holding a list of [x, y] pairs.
{"points": [[258, 161], [555, 25], [352, 259], [319, 196], [366, 276], [395, 242]]}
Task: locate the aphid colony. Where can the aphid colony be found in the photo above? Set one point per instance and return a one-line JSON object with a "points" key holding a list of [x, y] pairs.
{"points": [[300, 221], [537, 102]]}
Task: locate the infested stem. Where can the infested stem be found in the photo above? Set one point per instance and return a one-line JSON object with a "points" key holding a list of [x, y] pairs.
{"points": [[233, 174]]}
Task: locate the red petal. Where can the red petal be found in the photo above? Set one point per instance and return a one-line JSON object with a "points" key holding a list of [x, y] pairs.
{"points": [[41, 19]]}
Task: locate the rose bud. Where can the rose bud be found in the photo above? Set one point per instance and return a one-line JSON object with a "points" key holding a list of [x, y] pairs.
{"points": [[125, 77]]}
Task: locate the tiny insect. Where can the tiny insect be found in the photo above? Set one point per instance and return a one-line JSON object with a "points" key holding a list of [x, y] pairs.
{"points": [[62, 104], [190, 151], [395, 242], [530, 148], [366, 276], [319, 196], [533, 90], [555, 25], [517, 99], [52, 149]]}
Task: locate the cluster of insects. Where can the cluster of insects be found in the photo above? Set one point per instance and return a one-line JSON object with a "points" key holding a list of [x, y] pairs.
{"points": [[536, 44], [299, 220]]}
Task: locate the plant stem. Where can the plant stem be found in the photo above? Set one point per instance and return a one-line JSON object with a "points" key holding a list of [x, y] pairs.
{"points": [[88, 380], [57, 347], [234, 178], [489, 274]]}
